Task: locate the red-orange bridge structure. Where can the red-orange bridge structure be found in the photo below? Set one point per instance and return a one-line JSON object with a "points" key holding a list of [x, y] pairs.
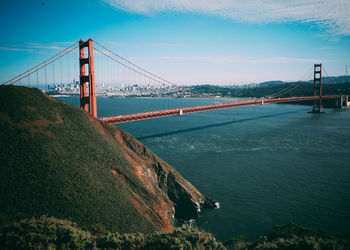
{"points": [[88, 89], [187, 110]]}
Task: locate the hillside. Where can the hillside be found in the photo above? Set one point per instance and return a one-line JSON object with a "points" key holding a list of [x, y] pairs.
{"points": [[325, 80], [304, 89], [57, 160]]}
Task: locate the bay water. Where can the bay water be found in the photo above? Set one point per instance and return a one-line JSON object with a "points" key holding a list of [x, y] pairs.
{"points": [[267, 164]]}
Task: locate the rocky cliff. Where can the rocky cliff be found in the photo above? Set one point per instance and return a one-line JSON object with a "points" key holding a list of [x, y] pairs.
{"points": [[60, 161]]}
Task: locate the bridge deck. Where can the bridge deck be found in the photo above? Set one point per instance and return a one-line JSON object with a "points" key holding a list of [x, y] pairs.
{"points": [[180, 111]]}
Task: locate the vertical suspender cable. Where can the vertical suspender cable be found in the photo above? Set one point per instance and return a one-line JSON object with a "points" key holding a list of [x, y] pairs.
{"points": [[69, 71], [61, 77], [53, 73], [46, 86]]}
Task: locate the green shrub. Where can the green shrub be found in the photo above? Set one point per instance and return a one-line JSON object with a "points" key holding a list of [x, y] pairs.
{"points": [[45, 233], [52, 233]]}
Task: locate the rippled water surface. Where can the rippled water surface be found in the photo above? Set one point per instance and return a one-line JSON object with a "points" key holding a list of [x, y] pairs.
{"points": [[270, 164]]}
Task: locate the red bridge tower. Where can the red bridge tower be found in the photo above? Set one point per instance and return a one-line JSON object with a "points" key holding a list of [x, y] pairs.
{"points": [[317, 80], [87, 100]]}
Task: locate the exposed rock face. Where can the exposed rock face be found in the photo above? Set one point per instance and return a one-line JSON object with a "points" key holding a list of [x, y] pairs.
{"points": [[183, 199], [177, 198]]}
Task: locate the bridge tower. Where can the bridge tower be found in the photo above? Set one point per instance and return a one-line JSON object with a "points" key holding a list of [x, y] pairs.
{"points": [[317, 108], [87, 99]]}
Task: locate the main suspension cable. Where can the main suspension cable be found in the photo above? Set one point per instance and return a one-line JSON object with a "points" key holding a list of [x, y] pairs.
{"points": [[12, 79], [290, 87], [43, 65]]}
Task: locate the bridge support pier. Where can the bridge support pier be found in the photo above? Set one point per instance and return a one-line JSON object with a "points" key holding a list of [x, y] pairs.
{"points": [[344, 101], [87, 100], [317, 108]]}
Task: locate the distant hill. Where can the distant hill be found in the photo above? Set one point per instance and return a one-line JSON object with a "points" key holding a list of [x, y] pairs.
{"points": [[325, 79], [270, 83], [272, 87], [335, 79], [57, 160]]}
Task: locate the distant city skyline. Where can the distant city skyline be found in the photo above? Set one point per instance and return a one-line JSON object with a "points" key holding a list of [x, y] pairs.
{"points": [[187, 42]]}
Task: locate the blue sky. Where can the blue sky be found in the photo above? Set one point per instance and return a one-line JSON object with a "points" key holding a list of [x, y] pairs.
{"points": [[187, 42]]}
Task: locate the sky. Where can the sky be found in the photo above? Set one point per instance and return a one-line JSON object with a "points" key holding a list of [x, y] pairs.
{"points": [[185, 41]]}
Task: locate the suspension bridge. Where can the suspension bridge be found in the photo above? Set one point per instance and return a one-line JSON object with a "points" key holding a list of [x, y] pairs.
{"points": [[80, 60]]}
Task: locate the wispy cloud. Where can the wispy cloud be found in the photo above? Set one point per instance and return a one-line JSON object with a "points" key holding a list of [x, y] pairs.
{"points": [[32, 47], [156, 44], [332, 15], [294, 59], [163, 44], [325, 48], [240, 59], [4, 48], [113, 43], [43, 46]]}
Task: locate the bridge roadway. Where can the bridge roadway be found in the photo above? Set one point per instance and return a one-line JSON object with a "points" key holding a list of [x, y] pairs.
{"points": [[180, 111]]}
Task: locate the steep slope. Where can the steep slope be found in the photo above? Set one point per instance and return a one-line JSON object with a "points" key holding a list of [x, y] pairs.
{"points": [[59, 161]]}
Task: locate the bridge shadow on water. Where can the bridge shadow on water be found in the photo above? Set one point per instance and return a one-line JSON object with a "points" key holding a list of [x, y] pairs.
{"points": [[214, 125]]}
